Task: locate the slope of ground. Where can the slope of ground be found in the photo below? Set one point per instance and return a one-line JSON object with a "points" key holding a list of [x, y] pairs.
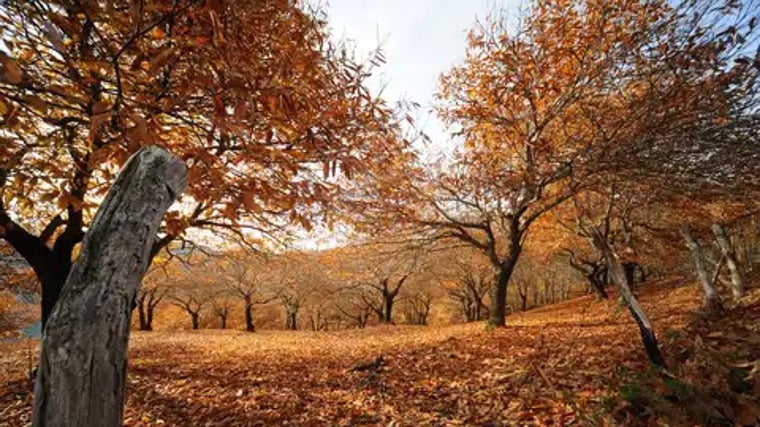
{"points": [[577, 362]]}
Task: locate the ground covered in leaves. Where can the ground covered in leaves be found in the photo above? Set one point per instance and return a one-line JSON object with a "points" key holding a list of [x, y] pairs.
{"points": [[574, 363]]}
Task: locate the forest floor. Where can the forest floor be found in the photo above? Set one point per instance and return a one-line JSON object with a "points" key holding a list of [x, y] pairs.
{"points": [[579, 362]]}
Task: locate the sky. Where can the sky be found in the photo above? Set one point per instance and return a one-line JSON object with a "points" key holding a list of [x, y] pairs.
{"points": [[420, 39]]}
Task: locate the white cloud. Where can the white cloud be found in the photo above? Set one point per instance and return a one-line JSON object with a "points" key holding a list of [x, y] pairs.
{"points": [[420, 40]]}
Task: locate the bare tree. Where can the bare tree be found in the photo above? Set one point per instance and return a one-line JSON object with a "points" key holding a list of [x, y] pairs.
{"points": [[469, 287], [418, 308], [147, 299], [249, 276], [221, 305]]}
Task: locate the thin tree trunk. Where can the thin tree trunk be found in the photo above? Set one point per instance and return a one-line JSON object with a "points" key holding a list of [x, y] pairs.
{"points": [[83, 359], [249, 326], [727, 248], [618, 276], [710, 297], [195, 319], [291, 318], [149, 317], [143, 315], [388, 312]]}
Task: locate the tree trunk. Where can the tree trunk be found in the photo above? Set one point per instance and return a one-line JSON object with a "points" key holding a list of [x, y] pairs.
{"points": [[618, 276], [727, 248], [388, 312], [83, 358], [249, 326], [630, 273], [291, 318], [223, 322], [51, 266], [195, 318], [149, 317], [597, 284], [142, 308], [710, 297], [467, 310], [499, 292], [52, 283]]}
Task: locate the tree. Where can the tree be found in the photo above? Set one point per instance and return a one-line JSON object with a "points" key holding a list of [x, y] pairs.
{"points": [[418, 308], [729, 255], [192, 289], [152, 291], [250, 95], [302, 275], [353, 305], [192, 304], [711, 300], [381, 274], [250, 278], [83, 360], [147, 300], [469, 286], [221, 305], [578, 92], [593, 270]]}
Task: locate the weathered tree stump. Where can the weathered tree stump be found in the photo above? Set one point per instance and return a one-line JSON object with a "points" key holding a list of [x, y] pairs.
{"points": [[83, 360]]}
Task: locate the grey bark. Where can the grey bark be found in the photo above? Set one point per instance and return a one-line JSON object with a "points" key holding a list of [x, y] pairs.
{"points": [[732, 262], [619, 278], [710, 297], [83, 359]]}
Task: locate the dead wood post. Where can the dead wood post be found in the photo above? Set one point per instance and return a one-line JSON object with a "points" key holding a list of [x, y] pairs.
{"points": [[83, 360]]}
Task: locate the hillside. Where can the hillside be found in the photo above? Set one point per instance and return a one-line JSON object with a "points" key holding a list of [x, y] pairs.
{"points": [[578, 362]]}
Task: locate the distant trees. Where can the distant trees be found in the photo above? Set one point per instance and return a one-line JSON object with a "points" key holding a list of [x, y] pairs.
{"points": [[191, 302], [466, 283], [725, 255], [221, 306], [418, 308], [381, 276], [576, 98], [354, 306], [254, 86], [248, 277], [148, 298]]}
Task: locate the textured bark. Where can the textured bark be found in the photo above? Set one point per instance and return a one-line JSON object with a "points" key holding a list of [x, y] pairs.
{"points": [[84, 346], [710, 297], [498, 314], [504, 268], [619, 278], [732, 262]]}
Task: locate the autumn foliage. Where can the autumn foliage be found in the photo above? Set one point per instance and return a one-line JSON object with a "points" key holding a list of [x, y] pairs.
{"points": [[603, 159]]}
